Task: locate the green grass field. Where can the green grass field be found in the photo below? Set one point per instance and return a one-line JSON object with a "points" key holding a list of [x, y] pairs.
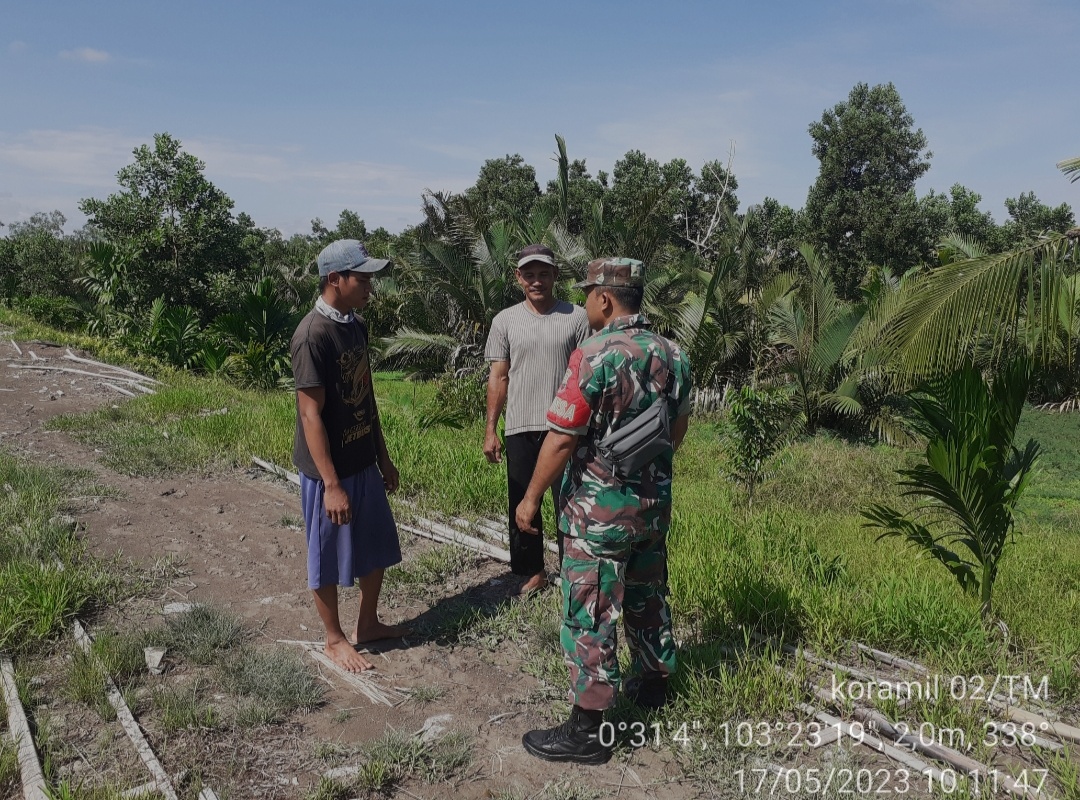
{"points": [[799, 564]]}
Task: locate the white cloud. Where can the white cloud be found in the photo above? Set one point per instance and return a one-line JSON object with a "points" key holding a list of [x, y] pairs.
{"points": [[87, 55], [17, 47], [87, 157]]}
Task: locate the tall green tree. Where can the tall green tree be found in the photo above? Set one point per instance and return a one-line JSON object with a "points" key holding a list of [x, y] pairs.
{"points": [[176, 223], [37, 258], [1030, 218], [506, 189], [862, 208]]}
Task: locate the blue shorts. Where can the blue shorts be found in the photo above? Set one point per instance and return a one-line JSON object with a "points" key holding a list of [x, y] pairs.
{"points": [[339, 554]]}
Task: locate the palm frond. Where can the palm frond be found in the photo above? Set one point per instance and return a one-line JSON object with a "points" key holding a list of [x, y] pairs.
{"points": [[963, 302], [1070, 166]]}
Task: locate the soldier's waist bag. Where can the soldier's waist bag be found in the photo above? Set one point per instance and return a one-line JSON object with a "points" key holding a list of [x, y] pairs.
{"points": [[635, 445]]}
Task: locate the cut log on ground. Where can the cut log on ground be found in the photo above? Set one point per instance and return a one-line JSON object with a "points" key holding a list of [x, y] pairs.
{"points": [[33, 780], [281, 472], [116, 388], [895, 753], [1043, 725], [893, 661], [464, 539], [476, 546], [101, 364]]}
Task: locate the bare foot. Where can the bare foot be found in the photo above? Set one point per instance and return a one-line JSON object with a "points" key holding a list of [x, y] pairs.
{"points": [[534, 584], [345, 656], [380, 631]]}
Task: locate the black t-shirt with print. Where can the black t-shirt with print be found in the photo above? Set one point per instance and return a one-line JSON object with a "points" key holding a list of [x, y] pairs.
{"points": [[334, 355]]}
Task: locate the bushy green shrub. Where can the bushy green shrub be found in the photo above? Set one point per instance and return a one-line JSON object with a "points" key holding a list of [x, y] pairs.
{"points": [[56, 312]]}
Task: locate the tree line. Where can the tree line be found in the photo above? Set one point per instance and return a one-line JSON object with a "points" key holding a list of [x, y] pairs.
{"points": [[841, 305]]}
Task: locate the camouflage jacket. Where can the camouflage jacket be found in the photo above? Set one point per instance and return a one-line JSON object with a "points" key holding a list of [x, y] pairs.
{"points": [[611, 378]]}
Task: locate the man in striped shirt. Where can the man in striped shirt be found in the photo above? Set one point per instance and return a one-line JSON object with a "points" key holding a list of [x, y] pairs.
{"points": [[528, 348]]}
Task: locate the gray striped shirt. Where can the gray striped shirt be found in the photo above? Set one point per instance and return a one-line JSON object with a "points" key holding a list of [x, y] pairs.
{"points": [[538, 347]]}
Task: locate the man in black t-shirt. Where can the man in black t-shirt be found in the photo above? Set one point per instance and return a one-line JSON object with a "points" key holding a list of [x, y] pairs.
{"points": [[339, 449]]}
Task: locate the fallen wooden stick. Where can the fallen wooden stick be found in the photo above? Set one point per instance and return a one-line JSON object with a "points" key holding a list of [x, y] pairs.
{"points": [[122, 391], [281, 472], [891, 660], [73, 371], [140, 791], [123, 714], [895, 753], [33, 781], [72, 357], [16, 346], [492, 528], [464, 539], [1058, 729], [483, 548]]}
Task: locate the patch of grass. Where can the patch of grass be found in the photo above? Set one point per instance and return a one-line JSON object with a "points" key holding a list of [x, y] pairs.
{"points": [[46, 575], [426, 694], [565, 790], [9, 765], [403, 756], [183, 708], [120, 653], [509, 793], [200, 634], [1066, 771], [332, 752], [328, 789], [431, 569], [825, 475], [86, 684], [395, 757], [166, 434], [278, 681], [166, 570], [291, 522]]}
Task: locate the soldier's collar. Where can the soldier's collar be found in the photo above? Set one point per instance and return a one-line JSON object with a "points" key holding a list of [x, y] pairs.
{"points": [[628, 321]]}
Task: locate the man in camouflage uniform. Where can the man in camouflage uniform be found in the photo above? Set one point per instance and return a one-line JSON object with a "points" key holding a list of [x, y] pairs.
{"points": [[615, 558]]}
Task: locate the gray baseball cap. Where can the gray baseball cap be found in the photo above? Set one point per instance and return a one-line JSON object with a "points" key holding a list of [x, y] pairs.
{"points": [[345, 255]]}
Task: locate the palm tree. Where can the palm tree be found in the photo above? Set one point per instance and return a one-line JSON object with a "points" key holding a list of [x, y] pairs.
{"points": [[990, 305], [810, 330], [255, 336], [973, 476]]}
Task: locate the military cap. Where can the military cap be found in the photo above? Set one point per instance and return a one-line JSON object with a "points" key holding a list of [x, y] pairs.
{"points": [[613, 272]]}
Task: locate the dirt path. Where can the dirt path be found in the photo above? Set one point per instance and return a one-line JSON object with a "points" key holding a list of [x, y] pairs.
{"points": [[237, 538]]}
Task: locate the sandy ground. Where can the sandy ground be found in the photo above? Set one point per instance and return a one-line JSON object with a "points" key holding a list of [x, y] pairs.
{"points": [[235, 536]]}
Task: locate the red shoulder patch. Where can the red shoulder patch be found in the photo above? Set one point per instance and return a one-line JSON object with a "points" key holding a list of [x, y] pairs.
{"points": [[569, 409]]}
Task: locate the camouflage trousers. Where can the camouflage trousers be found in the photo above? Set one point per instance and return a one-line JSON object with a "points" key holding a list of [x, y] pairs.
{"points": [[606, 579]]}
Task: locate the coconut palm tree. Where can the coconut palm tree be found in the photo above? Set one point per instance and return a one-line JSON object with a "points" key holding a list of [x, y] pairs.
{"points": [[990, 304], [972, 478]]}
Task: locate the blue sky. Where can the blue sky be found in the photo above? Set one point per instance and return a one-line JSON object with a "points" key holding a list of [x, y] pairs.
{"points": [[301, 110]]}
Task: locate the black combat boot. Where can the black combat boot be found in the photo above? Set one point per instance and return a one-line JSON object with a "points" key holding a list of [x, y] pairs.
{"points": [[577, 739], [647, 692]]}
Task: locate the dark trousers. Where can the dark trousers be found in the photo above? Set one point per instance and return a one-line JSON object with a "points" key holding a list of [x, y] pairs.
{"points": [[527, 549]]}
